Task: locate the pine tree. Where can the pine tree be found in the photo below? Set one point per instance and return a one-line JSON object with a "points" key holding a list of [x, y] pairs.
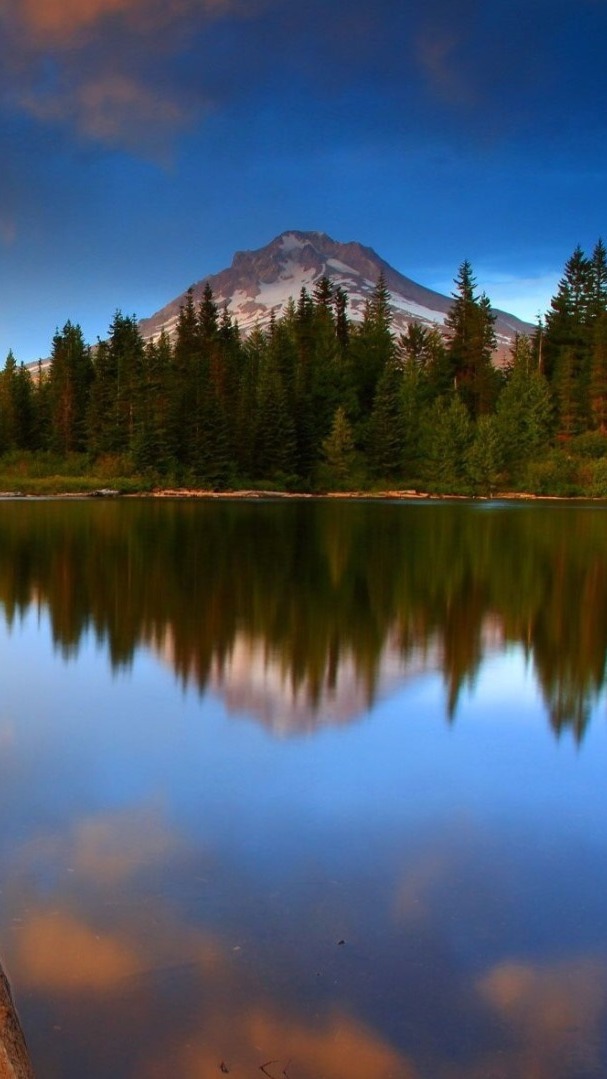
{"points": [[24, 409], [598, 374], [8, 418], [184, 384], [275, 438], [151, 448], [568, 321], [414, 404], [342, 325], [525, 409], [485, 458], [127, 349], [598, 281], [386, 428], [338, 449], [446, 438], [70, 378], [566, 384], [101, 419], [471, 344], [372, 347]]}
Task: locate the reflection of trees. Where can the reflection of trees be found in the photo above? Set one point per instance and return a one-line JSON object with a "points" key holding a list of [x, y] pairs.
{"points": [[315, 583]]}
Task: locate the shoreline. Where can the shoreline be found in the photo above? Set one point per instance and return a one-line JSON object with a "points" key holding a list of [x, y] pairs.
{"points": [[246, 494]]}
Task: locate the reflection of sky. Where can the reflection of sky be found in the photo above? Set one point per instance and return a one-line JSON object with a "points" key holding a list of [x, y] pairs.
{"points": [[152, 848]]}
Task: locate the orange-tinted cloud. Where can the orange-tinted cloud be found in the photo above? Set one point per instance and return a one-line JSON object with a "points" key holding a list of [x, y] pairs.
{"points": [[64, 22], [59, 18]]}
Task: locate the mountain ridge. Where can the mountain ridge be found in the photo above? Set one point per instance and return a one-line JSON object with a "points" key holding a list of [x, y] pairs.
{"points": [[259, 284]]}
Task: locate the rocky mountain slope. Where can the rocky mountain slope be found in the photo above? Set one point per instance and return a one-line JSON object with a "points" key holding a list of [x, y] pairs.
{"points": [[259, 283]]}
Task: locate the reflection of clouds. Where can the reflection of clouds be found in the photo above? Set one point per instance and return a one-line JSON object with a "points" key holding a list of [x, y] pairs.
{"points": [[56, 951], [7, 735], [113, 846], [420, 879], [555, 1010], [339, 1048], [131, 977], [168, 997], [104, 849]]}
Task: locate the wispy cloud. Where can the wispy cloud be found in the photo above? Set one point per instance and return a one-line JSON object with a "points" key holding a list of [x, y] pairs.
{"points": [[62, 22], [116, 110]]}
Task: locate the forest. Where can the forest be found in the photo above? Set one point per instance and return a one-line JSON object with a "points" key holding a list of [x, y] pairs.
{"points": [[317, 402]]}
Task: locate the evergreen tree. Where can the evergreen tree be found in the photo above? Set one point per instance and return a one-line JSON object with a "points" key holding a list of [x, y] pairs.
{"points": [[386, 429], [446, 438], [524, 410], [598, 374], [127, 350], [566, 339], [101, 420], [151, 448], [25, 428], [598, 281], [253, 358], [342, 325], [567, 387], [471, 344], [372, 347], [275, 438], [414, 404], [338, 450], [184, 389], [8, 415], [70, 378], [485, 456]]}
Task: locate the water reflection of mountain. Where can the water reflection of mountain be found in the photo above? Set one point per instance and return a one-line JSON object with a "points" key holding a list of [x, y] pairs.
{"points": [[253, 680], [303, 613]]}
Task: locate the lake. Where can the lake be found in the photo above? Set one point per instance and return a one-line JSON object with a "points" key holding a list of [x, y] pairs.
{"points": [[308, 790]]}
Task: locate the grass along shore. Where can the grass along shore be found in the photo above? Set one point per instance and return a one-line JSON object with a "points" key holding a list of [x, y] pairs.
{"points": [[25, 474]]}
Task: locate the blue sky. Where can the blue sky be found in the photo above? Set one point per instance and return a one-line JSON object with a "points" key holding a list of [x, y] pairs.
{"points": [[144, 141]]}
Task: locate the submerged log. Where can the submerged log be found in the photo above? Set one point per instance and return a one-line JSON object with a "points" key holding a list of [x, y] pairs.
{"points": [[14, 1058]]}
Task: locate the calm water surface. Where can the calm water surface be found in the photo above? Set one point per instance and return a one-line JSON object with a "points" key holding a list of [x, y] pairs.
{"points": [[315, 787]]}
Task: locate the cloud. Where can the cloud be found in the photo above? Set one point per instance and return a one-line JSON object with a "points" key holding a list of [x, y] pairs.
{"points": [[65, 22], [116, 110], [63, 19]]}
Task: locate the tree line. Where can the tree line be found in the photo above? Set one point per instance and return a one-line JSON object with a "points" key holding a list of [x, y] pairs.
{"points": [[316, 401]]}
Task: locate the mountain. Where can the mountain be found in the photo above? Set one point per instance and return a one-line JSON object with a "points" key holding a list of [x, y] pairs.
{"points": [[259, 283]]}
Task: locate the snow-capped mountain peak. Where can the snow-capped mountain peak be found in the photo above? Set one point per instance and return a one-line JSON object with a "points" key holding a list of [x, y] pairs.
{"points": [[260, 283]]}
